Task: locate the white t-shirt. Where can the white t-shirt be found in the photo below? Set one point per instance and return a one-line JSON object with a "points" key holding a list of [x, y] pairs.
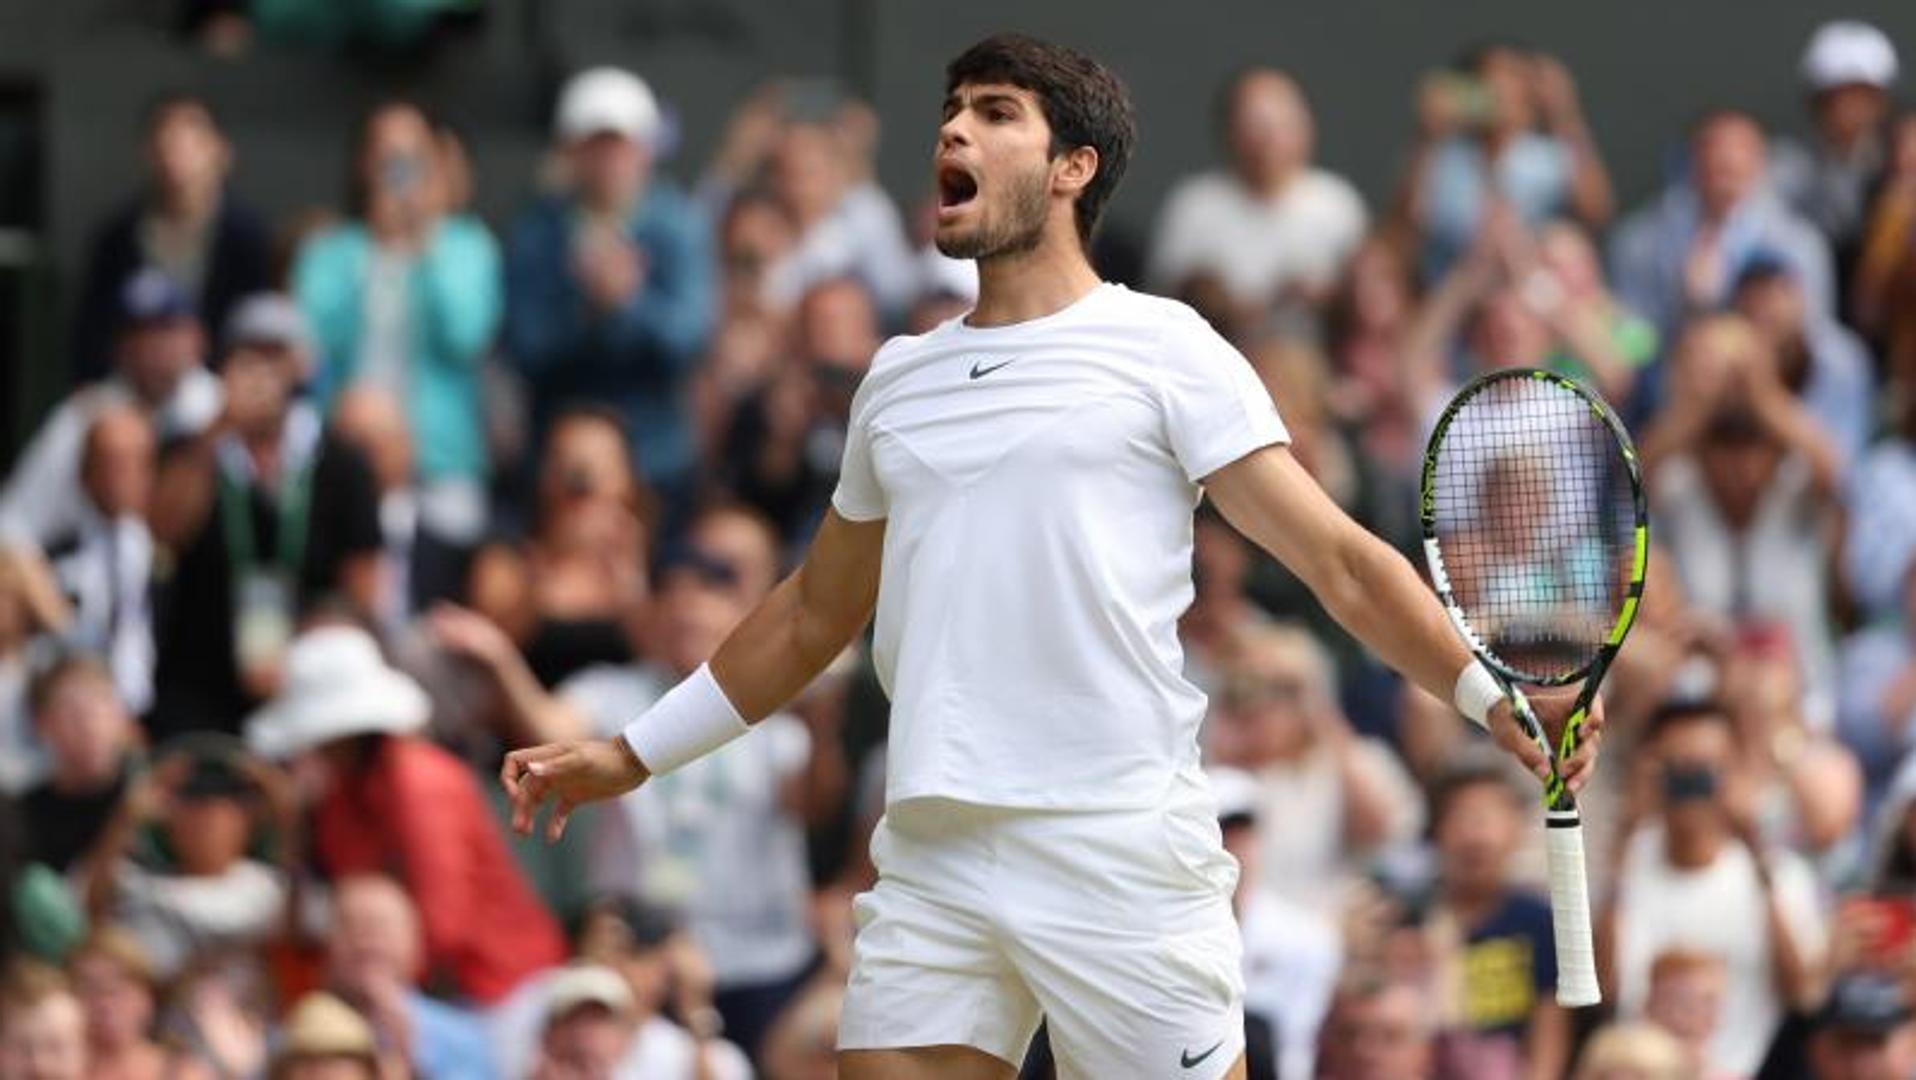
{"points": [[1292, 958], [1720, 910], [1302, 854], [1038, 481], [712, 838], [176, 916], [1257, 246]]}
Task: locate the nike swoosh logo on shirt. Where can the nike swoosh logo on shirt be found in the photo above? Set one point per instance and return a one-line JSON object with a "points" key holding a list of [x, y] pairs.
{"points": [[979, 371], [1192, 1061]]}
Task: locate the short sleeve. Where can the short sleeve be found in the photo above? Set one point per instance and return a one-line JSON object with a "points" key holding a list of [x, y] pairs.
{"points": [[858, 496], [1216, 409]]}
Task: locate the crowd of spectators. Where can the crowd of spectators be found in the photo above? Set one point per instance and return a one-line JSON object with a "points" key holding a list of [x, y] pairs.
{"points": [[336, 513]]}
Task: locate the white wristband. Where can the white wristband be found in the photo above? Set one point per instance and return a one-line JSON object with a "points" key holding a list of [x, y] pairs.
{"points": [[693, 719], [1477, 692]]}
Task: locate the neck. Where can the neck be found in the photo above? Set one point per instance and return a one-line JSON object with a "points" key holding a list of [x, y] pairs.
{"points": [[1032, 284], [1269, 183], [1473, 902], [1692, 850], [188, 205]]}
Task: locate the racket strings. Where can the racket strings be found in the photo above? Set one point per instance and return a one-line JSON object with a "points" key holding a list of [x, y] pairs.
{"points": [[1534, 517]]}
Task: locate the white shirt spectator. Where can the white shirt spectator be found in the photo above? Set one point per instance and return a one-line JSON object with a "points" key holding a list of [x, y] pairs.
{"points": [[179, 916], [38, 502], [1719, 909], [660, 1050], [863, 238], [1257, 247], [104, 567], [1776, 569], [687, 839], [1292, 959], [1302, 854]]}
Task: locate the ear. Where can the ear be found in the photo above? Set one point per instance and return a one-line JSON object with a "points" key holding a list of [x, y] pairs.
{"points": [[1074, 169]]}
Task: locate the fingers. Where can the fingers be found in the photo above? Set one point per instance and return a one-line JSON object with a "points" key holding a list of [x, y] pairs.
{"points": [[1510, 735], [527, 782], [561, 813], [1582, 765]]}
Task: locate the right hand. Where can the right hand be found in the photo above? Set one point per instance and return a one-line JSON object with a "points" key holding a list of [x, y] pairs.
{"points": [[569, 775]]}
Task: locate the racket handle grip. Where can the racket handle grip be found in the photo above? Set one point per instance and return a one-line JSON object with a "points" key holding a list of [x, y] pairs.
{"points": [[1570, 912]]}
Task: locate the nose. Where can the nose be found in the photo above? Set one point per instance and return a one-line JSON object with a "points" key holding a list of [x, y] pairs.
{"points": [[954, 132]]}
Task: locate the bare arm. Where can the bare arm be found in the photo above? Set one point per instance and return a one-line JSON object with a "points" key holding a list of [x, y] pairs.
{"points": [[1365, 585], [1547, 1042], [769, 657]]}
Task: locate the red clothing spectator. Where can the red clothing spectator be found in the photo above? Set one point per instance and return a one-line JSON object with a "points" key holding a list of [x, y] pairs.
{"points": [[399, 805], [416, 811]]}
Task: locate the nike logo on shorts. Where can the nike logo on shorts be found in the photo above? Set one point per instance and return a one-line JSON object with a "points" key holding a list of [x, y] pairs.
{"points": [[1192, 1061], [979, 371]]}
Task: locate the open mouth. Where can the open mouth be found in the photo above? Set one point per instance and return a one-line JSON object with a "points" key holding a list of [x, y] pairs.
{"points": [[956, 187]]}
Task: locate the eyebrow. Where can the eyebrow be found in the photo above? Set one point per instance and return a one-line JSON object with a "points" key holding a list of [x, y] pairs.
{"points": [[955, 100]]}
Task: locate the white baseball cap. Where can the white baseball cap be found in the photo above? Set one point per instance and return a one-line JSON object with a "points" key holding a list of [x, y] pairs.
{"points": [[606, 100], [1847, 53]]}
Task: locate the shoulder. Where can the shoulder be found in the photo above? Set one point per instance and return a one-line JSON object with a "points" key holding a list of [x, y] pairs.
{"points": [[1330, 188], [464, 234], [335, 244]]}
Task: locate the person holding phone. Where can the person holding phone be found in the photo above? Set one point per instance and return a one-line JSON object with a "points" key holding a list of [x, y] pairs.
{"points": [[407, 297]]}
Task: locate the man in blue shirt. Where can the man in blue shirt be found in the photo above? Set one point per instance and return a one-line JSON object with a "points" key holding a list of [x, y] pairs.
{"points": [[610, 284]]}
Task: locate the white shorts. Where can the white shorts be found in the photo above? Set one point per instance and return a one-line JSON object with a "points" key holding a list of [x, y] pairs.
{"points": [[1115, 927]]}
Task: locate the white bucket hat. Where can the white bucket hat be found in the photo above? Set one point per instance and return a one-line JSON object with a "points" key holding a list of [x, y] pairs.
{"points": [[337, 686]]}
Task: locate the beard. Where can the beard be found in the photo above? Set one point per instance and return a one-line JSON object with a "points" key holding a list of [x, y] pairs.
{"points": [[1018, 229]]}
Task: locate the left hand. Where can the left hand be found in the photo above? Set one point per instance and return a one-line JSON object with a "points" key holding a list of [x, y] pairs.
{"points": [[1552, 707], [569, 775]]}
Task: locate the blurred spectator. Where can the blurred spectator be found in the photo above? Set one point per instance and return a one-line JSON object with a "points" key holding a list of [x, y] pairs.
{"points": [[755, 235], [1881, 497], [1686, 999], [566, 595], [1221, 613], [1891, 871], [185, 224], [116, 986], [265, 513], [324, 1039], [814, 147], [1684, 251], [588, 1029], [660, 976], [1502, 129], [1823, 364], [407, 296], [373, 961], [1269, 230], [1569, 274], [610, 285], [216, 1021], [1876, 715], [159, 369], [1697, 877], [1379, 1028], [1863, 1031], [1634, 1051], [785, 441], [91, 743], [418, 567], [1338, 793], [173, 865], [1883, 301], [391, 802], [682, 841], [1506, 309], [1292, 954], [42, 1026], [1368, 322], [1494, 943], [1746, 486], [1847, 70], [31, 611], [105, 564]]}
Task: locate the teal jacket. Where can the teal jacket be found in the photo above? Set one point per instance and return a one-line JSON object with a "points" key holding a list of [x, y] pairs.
{"points": [[454, 312]]}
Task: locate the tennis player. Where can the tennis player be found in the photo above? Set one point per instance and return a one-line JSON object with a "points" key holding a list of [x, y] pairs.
{"points": [[1016, 503]]}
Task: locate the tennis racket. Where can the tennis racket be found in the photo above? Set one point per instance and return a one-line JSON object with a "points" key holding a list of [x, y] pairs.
{"points": [[1537, 539]]}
